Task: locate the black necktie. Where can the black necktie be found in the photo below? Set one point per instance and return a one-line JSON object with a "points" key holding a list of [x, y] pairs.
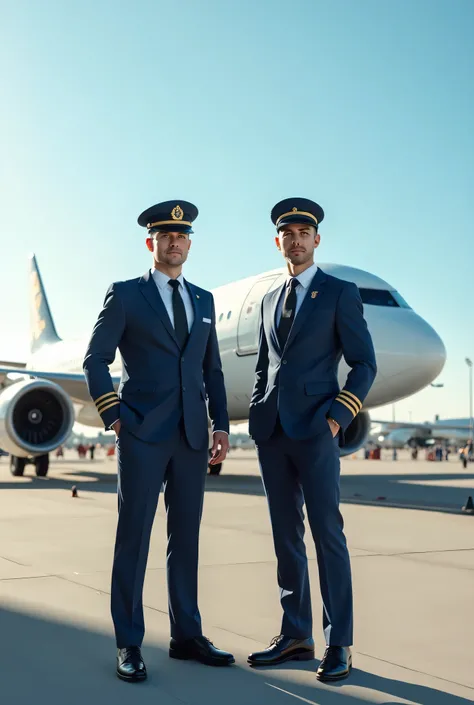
{"points": [[288, 312], [179, 313]]}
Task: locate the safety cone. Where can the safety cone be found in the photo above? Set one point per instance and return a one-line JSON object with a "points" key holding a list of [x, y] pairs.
{"points": [[469, 506]]}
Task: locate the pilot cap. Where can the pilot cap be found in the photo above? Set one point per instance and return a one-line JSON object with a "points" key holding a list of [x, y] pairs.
{"points": [[169, 216], [296, 210]]}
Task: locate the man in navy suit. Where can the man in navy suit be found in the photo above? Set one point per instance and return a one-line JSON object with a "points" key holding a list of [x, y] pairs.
{"points": [[164, 328], [298, 416]]}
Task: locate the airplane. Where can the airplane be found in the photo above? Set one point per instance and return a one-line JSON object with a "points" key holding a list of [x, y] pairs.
{"points": [[398, 434], [42, 397]]}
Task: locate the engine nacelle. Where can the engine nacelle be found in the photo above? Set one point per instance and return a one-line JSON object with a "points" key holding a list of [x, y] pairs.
{"points": [[36, 416], [356, 433]]}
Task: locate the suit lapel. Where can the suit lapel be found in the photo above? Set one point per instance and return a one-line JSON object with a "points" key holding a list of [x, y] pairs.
{"points": [[150, 292], [309, 304], [197, 317]]}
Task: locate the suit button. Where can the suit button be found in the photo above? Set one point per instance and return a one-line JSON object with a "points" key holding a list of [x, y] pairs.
{"points": [[285, 361], [182, 359], [184, 389], [281, 387]]}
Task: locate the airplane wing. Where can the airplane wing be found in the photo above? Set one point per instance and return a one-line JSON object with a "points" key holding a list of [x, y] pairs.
{"points": [[72, 383], [393, 425], [427, 426]]}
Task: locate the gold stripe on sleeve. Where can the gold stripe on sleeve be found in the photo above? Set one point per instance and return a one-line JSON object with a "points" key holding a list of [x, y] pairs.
{"points": [[114, 403], [347, 404], [105, 396], [352, 396]]}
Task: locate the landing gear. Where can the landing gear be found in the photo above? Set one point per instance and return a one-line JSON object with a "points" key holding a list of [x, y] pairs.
{"points": [[42, 465], [17, 465], [215, 469]]}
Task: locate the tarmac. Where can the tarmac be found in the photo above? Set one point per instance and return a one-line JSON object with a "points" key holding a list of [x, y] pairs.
{"points": [[412, 553]]}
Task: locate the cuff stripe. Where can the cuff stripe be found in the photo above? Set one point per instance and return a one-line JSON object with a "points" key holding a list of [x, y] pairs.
{"points": [[105, 396], [107, 401], [351, 397], [114, 403], [353, 411]]}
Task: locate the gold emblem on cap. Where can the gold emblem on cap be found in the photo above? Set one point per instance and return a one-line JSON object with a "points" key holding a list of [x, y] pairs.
{"points": [[294, 210], [314, 294], [177, 213]]}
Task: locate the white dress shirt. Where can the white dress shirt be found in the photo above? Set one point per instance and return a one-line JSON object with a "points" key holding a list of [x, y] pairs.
{"points": [[166, 293], [304, 279]]}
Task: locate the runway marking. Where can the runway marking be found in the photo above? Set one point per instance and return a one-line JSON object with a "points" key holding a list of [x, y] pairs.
{"points": [[287, 692], [10, 560], [27, 577], [410, 553], [414, 670], [100, 590]]}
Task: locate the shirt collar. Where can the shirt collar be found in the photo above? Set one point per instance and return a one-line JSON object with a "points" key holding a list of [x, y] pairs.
{"points": [[161, 280], [306, 277]]}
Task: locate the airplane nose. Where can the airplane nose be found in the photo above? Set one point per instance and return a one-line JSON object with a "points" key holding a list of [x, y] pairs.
{"points": [[412, 355]]}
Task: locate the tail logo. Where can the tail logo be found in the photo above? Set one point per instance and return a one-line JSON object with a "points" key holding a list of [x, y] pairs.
{"points": [[38, 323]]}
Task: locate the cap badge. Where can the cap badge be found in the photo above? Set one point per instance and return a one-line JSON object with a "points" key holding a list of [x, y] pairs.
{"points": [[177, 213], [294, 210]]}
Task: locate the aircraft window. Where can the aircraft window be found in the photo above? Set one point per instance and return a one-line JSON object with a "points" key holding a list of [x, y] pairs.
{"points": [[249, 318], [382, 297], [221, 317], [401, 301], [229, 315]]}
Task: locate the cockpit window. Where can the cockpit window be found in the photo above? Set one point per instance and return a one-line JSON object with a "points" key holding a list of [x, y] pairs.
{"points": [[382, 297]]}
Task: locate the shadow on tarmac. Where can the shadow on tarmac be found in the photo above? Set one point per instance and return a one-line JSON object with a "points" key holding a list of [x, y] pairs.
{"points": [[409, 490], [58, 663]]}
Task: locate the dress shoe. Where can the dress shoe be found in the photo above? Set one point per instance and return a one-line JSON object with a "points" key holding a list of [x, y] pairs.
{"points": [[130, 665], [336, 664], [283, 648], [200, 649]]}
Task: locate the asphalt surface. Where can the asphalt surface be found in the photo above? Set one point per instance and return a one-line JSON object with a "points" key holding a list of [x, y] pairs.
{"points": [[412, 552]]}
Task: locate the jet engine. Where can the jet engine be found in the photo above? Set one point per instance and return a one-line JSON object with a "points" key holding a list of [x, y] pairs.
{"points": [[356, 433], [36, 416]]}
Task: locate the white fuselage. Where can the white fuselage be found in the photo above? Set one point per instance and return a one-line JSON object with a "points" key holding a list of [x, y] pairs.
{"points": [[409, 352]]}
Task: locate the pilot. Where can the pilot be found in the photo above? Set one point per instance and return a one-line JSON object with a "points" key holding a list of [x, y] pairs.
{"points": [[298, 416], [164, 328]]}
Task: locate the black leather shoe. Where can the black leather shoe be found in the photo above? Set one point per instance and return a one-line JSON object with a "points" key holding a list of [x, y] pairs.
{"points": [[283, 648], [200, 649], [336, 664], [130, 665]]}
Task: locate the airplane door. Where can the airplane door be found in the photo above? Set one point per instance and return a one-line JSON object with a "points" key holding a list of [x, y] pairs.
{"points": [[249, 319]]}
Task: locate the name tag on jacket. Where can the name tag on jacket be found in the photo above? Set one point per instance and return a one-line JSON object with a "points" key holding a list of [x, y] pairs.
{"points": [[206, 320]]}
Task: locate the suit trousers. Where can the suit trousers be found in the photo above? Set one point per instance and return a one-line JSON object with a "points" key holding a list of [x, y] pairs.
{"points": [[297, 472], [142, 470]]}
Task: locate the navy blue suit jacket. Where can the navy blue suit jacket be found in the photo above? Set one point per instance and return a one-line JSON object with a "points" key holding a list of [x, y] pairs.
{"points": [[300, 382], [160, 383]]}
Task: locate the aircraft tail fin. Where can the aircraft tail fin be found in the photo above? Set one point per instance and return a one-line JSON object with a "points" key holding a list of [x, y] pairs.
{"points": [[43, 330]]}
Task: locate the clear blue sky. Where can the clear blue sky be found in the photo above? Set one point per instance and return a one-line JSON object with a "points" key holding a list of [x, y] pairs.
{"points": [[365, 106]]}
